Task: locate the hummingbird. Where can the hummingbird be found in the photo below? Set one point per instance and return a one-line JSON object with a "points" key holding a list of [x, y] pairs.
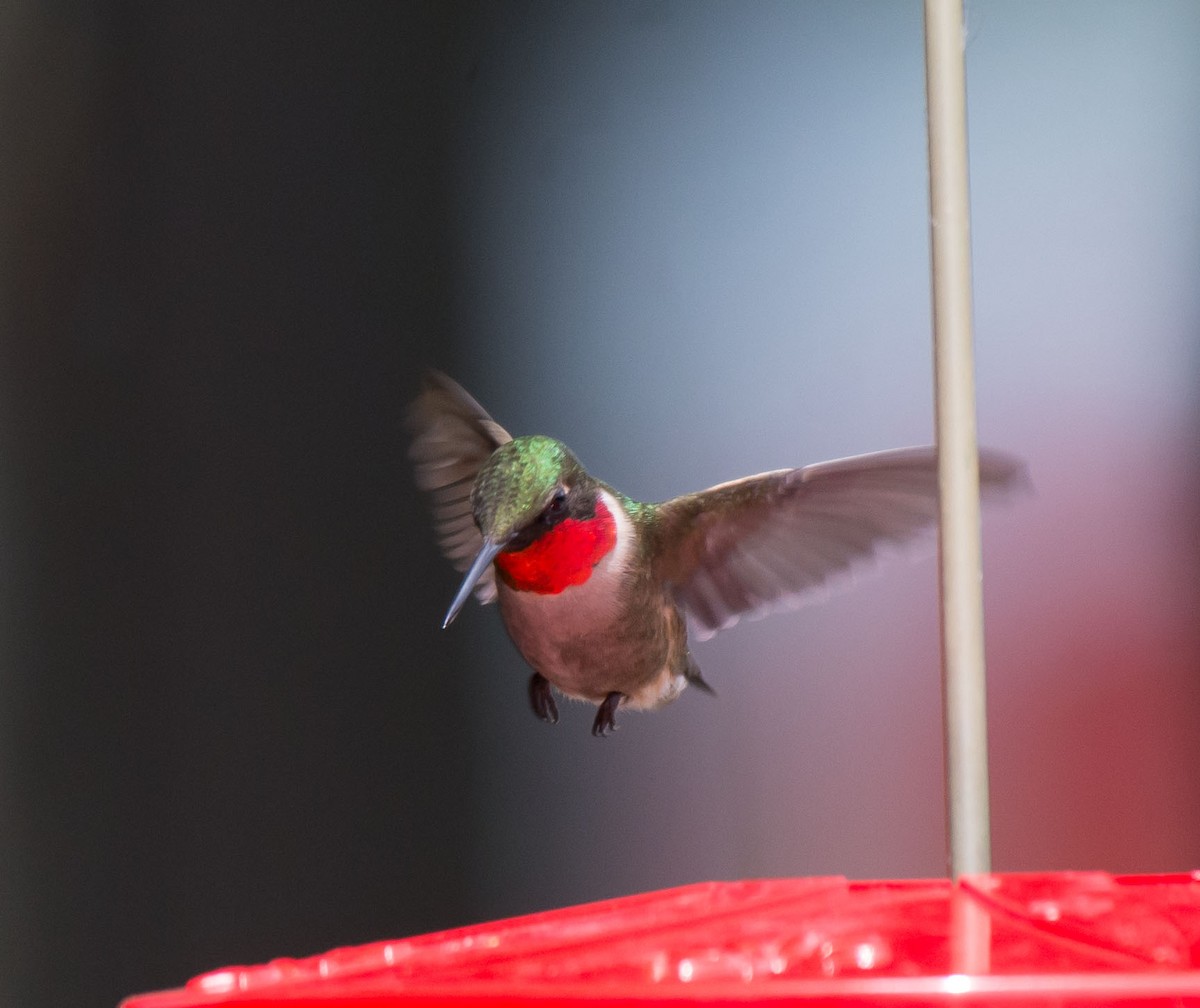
{"points": [[596, 589]]}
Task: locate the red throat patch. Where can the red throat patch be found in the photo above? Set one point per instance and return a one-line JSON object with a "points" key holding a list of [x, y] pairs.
{"points": [[562, 557]]}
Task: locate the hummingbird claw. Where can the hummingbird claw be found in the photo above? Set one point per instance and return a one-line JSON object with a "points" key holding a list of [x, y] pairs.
{"points": [[606, 716], [541, 699]]}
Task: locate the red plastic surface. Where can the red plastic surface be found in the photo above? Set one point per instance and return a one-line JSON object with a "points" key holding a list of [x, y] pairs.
{"points": [[1062, 938]]}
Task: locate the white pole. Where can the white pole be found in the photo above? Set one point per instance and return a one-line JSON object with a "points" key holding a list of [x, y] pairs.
{"points": [[963, 680]]}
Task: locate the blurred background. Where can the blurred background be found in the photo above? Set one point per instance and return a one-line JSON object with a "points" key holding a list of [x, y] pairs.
{"points": [[689, 239]]}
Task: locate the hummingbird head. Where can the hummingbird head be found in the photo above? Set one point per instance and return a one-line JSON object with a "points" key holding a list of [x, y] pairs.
{"points": [[523, 487], [527, 487]]}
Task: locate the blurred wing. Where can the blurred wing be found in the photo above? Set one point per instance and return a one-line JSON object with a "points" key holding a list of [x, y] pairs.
{"points": [[756, 545], [452, 437]]}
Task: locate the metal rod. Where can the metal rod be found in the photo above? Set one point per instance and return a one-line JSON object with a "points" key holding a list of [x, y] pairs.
{"points": [[963, 679]]}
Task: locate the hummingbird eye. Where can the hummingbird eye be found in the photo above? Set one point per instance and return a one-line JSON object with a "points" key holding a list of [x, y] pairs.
{"points": [[556, 509]]}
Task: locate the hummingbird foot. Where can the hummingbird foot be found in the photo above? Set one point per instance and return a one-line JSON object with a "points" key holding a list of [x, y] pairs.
{"points": [[541, 699], [606, 716], [692, 674]]}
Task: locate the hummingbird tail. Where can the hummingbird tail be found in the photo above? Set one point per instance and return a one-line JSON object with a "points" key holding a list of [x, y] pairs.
{"points": [[692, 674]]}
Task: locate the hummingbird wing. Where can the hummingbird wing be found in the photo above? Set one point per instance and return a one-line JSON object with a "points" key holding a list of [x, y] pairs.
{"points": [[452, 436], [756, 545]]}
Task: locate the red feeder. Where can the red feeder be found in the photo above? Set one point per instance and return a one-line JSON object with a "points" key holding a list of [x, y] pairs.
{"points": [[1055, 938]]}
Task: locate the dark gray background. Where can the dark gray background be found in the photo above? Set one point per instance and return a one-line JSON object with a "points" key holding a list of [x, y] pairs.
{"points": [[689, 239]]}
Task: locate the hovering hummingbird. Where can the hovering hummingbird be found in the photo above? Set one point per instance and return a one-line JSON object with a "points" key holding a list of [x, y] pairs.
{"points": [[595, 588]]}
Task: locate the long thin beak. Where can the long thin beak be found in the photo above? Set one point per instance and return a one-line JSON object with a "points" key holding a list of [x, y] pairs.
{"points": [[480, 564]]}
